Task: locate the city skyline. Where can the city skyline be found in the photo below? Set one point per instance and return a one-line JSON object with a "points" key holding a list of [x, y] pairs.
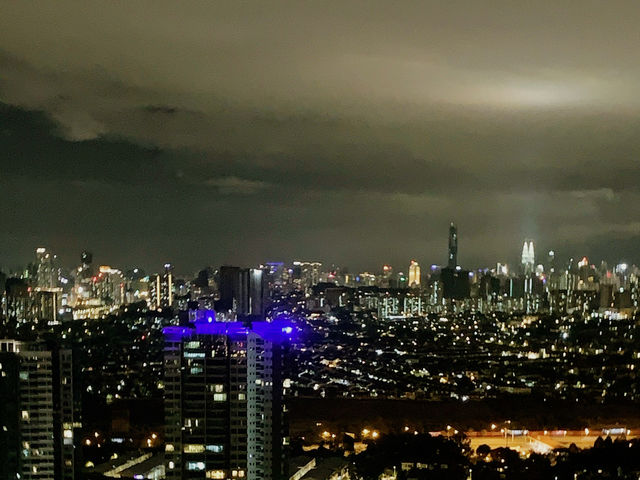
{"points": [[513, 259]]}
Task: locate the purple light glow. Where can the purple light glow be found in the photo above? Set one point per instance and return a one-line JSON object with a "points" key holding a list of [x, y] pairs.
{"points": [[222, 328], [280, 330], [276, 331], [175, 334]]}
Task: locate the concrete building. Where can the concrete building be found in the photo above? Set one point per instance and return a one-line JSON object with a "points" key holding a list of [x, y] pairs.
{"points": [[224, 408]]}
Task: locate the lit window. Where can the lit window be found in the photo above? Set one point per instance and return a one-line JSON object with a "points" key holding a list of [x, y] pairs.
{"points": [[219, 397], [219, 388], [193, 448], [242, 396], [195, 465], [25, 415], [216, 474], [193, 354], [214, 448], [169, 447]]}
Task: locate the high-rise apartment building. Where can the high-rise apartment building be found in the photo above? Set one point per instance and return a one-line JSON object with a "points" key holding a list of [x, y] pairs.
{"points": [[161, 288], [36, 395], [224, 409], [46, 293], [306, 274]]}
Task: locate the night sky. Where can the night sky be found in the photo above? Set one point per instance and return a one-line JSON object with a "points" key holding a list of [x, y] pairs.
{"points": [[205, 132]]}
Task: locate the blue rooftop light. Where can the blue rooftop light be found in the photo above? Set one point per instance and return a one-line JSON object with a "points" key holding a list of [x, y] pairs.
{"points": [[277, 331], [221, 328], [280, 330], [175, 334]]}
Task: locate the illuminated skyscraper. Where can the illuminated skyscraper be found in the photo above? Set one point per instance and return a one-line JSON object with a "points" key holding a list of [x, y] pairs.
{"points": [[306, 274], [161, 290], [453, 247], [387, 272], [46, 276], [46, 292], [414, 274], [528, 257], [109, 286]]}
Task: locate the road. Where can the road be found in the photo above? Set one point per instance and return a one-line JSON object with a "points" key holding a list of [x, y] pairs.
{"points": [[542, 441]]}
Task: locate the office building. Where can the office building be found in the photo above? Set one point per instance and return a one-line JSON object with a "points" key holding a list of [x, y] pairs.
{"points": [[253, 294], [109, 286], [414, 274], [224, 408], [46, 274], [244, 292], [387, 274], [228, 288], [455, 283], [306, 274]]}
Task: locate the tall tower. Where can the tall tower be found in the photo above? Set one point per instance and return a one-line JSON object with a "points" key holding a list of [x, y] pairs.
{"points": [[414, 274], [167, 285], [252, 294], [453, 246], [528, 257], [161, 288]]}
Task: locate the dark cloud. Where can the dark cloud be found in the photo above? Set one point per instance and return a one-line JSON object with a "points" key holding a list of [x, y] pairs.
{"points": [[350, 132]]}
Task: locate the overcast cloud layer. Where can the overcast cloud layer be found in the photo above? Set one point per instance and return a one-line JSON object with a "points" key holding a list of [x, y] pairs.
{"points": [[351, 132]]}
